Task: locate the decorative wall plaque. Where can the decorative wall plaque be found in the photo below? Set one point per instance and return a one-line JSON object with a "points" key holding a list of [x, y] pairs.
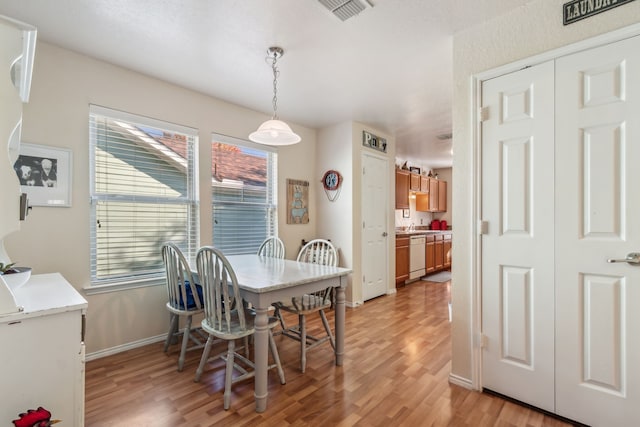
{"points": [[576, 10], [372, 141]]}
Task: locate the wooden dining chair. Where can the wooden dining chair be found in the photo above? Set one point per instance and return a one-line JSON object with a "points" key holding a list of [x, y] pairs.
{"points": [[272, 247], [226, 317], [184, 300], [316, 251]]}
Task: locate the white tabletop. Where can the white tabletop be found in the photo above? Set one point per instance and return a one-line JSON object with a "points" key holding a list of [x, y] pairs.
{"points": [[261, 274]]}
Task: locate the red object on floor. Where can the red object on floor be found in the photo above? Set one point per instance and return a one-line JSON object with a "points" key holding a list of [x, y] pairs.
{"points": [[35, 418]]}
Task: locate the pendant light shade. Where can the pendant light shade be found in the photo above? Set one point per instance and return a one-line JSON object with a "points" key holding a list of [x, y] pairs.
{"points": [[274, 131]]}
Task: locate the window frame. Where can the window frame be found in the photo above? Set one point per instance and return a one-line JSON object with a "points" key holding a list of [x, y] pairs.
{"points": [[191, 200], [272, 184]]}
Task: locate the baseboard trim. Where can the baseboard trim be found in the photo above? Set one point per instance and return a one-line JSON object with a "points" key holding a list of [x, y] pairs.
{"points": [[124, 347], [460, 381]]}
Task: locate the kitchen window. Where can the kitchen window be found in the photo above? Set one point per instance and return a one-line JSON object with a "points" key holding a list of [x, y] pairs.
{"points": [[143, 176], [244, 194]]}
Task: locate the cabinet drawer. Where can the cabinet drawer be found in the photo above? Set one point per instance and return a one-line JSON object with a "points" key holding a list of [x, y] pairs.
{"points": [[402, 241], [447, 236], [431, 238], [439, 237]]}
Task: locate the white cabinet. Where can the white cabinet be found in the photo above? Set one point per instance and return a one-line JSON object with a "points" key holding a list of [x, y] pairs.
{"points": [[42, 351]]}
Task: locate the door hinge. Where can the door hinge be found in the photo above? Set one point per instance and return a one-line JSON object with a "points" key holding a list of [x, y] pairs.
{"points": [[483, 114], [483, 227], [482, 340]]}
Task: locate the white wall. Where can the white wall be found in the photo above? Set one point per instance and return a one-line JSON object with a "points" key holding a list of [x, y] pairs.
{"points": [[529, 30], [57, 239], [340, 147]]}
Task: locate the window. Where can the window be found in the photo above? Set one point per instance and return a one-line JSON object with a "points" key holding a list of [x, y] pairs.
{"points": [[244, 195], [143, 193]]}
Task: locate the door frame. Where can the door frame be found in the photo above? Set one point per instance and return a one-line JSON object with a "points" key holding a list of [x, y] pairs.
{"points": [[476, 165]]}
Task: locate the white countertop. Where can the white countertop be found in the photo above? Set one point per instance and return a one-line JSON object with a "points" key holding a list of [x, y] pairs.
{"points": [[45, 294]]}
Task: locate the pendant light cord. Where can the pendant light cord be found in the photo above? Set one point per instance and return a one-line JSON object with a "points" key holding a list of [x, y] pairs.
{"points": [[276, 73]]}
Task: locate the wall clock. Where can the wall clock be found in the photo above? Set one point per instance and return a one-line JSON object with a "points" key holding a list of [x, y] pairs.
{"points": [[331, 181]]}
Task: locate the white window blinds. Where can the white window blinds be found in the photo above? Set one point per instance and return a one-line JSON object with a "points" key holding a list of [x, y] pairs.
{"points": [[244, 195], [143, 193]]}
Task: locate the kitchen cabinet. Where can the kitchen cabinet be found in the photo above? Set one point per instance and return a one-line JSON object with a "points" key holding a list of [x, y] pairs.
{"points": [[414, 184], [424, 184], [435, 198], [402, 189], [442, 196], [447, 250], [42, 358], [437, 248], [402, 260], [430, 251], [439, 253]]}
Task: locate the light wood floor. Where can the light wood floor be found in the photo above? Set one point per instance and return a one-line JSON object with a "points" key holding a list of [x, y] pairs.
{"points": [[395, 373]]}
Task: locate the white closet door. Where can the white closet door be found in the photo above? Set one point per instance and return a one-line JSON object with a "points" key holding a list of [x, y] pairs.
{"points": [[518, 251], [598, 217]]}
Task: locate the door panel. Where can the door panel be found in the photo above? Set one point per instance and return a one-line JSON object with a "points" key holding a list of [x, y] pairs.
{"points": [[517, 251], [374, 236], [598, 211]]}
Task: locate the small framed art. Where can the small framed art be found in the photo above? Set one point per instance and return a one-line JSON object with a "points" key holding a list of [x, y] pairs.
{"points": [[45, 174]]}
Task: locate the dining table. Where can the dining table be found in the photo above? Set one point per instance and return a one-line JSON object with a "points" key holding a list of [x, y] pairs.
{"points": [[264, 280]]}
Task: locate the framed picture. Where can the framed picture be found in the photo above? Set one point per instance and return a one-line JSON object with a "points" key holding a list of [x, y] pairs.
{"points": [[45, 174], [297, 201], [414, 170], [405, 213]]}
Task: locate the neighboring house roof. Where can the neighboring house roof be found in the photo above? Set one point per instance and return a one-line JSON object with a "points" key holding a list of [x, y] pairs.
{"points": [[228, 162]]}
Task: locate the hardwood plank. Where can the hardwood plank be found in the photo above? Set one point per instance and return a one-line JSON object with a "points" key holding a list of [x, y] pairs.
{"points": [[395, 373]]}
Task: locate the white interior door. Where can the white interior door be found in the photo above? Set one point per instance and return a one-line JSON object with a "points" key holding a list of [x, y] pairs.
{"points": [[375, 193], [517, 250], [598, 217]]}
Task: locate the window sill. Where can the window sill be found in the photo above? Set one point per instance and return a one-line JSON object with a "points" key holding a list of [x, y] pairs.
{"points": [[123, 285]]}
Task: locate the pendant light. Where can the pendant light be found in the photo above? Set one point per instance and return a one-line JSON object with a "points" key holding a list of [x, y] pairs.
{"points": [[274, 131]]}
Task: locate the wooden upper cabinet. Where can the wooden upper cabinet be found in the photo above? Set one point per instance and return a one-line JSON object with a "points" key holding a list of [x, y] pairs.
{"points": [[433, 195], [434, 198], [424, 184], [402, 189], [442, 196], [415, 182]]}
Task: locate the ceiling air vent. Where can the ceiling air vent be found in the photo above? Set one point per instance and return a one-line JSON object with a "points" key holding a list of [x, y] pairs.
{"points": [[345, 9]]}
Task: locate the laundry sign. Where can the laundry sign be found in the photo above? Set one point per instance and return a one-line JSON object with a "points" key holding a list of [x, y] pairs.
{"points": [[576, 10]]}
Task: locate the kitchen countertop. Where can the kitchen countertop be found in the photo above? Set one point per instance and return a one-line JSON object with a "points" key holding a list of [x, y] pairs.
{"points": [[404, 233]]}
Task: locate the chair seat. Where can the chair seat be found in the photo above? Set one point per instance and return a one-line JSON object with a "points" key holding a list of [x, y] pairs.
{"points": [[305, 304]]}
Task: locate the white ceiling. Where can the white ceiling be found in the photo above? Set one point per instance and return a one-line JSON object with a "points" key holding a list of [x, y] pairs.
{"points": [[389, 67]]}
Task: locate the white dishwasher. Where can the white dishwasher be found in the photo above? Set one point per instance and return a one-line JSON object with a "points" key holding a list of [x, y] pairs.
{"points": [[416, 256]]}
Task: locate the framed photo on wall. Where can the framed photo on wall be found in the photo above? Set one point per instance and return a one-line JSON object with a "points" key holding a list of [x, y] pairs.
{"points": [[45, 174]]}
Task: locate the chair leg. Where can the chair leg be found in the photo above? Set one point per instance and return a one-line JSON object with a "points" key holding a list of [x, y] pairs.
{"points": [[228, 374], [185, 341], [173, 327], [204, 358], [302, 321], [276, 357], [327, 328], [278, 315]]}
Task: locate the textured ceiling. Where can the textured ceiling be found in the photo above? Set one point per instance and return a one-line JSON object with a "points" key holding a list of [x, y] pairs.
{"points": [[389, 67]]}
